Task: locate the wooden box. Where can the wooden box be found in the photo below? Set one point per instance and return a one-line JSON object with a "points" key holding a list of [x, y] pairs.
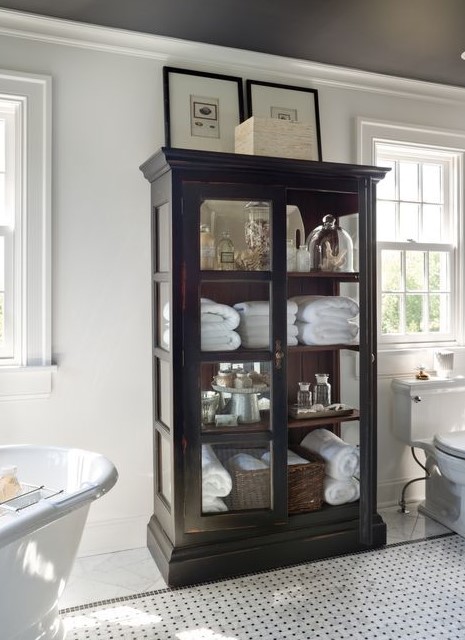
{"points": [[274, 137]]}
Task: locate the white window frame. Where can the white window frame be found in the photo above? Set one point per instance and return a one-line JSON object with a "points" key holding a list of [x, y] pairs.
{"points": [[369, 133], [26, 370]]}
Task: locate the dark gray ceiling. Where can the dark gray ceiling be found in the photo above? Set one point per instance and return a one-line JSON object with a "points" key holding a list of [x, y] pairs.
{"points": [[420, 39]]}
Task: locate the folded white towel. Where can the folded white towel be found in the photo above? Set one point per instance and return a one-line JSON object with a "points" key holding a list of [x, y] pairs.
{"points": [[341, 491], [313, 308], [221, 340], [165, 336], [256, 332], [292, 458], [216, 481], [262, 340], [342, 459], [259, 321], [246, 462], [326, 333], [229, 317], [213, 505], [261, 307]]}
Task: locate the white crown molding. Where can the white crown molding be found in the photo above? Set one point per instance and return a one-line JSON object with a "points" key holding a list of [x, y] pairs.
{"points": [[190, 54]]}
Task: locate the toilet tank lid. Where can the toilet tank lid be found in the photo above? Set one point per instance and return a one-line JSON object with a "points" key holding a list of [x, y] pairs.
{"points": [[452, 443]]}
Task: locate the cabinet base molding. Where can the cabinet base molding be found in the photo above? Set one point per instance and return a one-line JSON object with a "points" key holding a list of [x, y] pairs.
{"points": [[190, 565]]}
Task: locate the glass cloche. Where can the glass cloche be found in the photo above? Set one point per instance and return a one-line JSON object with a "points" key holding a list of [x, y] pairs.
{"points": [[330, 247]]}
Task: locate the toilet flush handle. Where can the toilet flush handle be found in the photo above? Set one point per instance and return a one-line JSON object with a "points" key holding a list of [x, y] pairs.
{"points": [[416, 399]]}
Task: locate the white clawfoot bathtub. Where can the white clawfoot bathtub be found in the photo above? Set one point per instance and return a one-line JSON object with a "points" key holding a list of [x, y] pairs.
{"points": [[39, 541]]}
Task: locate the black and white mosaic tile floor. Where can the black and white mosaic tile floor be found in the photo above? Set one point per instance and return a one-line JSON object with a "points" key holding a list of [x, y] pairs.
{"points": [[413, 591]]}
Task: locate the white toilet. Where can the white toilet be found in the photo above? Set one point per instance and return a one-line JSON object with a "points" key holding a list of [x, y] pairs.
{"points": [[430, 415]]}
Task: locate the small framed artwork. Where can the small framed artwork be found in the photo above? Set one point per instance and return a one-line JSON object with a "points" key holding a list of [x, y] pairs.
{"points": [[295, 104], [201, 109]]}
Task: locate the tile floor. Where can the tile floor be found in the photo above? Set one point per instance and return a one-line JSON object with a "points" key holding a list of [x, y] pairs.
{"points": [[113, 575]]}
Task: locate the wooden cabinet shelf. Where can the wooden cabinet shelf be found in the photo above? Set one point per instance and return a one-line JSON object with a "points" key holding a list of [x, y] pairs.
{"points": [[201, 201]]}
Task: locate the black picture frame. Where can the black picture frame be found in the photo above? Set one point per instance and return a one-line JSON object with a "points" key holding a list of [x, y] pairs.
{"points": [[201, 109], [297, 104]]}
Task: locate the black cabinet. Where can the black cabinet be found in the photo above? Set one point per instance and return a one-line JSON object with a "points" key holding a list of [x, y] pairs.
{"points": [[202, 415]]}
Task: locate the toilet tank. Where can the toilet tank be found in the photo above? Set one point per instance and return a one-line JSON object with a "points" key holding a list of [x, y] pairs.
{"points": [[424, 408]]}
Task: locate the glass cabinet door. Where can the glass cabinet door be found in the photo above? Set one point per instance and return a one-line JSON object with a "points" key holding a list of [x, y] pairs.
{"points": [[235, 348]]}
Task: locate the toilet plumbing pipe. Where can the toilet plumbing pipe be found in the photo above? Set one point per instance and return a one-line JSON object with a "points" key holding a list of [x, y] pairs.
{"points": [[402, 498]]}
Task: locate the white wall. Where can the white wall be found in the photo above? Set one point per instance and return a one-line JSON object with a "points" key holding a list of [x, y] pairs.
{"points": [[107, 119]]}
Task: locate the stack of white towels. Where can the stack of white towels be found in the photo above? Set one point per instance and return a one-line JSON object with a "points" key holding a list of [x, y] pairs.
{"points": [[326, 319], [217, 324], [216, 482], [342, 465], [254, 327]]}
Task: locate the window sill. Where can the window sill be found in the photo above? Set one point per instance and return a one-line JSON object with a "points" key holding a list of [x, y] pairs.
{"points": [[26, 383], [404, 361]]}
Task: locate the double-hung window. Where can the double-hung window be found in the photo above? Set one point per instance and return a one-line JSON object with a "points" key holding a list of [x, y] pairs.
{"points": [[25, 235], [417, 243], [420, 230], [11, 179]]}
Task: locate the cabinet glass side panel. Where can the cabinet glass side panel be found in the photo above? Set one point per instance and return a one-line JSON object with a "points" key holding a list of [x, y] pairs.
{"points": [[235, 478], [235, 235], [235, 396], [163, 326], [163, 448], [162, 237], [164, 393]]}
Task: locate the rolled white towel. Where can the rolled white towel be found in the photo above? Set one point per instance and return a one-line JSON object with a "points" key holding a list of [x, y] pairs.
{"points": [[261, 307], [292, 458], [342, 460], [246, 462], [228, 316], [314, 308], [216, 481], [213, 505], [341, 491], [221, 340], [326, 333]]}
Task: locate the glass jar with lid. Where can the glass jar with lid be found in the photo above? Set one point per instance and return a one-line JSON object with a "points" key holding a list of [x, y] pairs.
{"points": [[322, 389], [257, 234], [330, 247]]}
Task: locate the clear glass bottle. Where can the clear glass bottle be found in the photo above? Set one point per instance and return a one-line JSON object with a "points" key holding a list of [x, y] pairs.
{"points": [[207, 248], [291, 256], [225, 253], [322, 389], [303, 258], [330, 247], [304, 396]]}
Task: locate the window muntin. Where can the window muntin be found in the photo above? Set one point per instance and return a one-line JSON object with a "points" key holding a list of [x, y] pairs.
{"points": [[417, 243]]}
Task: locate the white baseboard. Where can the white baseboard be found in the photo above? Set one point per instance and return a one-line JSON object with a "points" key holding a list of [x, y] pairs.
{"points": [[389, 492], [113, 535]]}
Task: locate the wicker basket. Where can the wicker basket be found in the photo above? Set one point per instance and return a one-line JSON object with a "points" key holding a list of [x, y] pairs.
{"points": [[251, 489]]}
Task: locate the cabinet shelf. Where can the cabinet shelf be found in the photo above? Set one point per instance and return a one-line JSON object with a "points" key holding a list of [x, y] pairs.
{"points": [[333, 275], [302, 348]]}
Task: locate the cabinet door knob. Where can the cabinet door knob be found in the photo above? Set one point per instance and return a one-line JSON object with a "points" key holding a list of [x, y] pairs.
{"points": [[278, 354]]}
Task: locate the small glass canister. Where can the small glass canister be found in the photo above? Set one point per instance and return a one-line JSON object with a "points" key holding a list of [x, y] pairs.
{"points": [[330, 247], [322, 389], [303, 259], [291, 255], [304, 396]]}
